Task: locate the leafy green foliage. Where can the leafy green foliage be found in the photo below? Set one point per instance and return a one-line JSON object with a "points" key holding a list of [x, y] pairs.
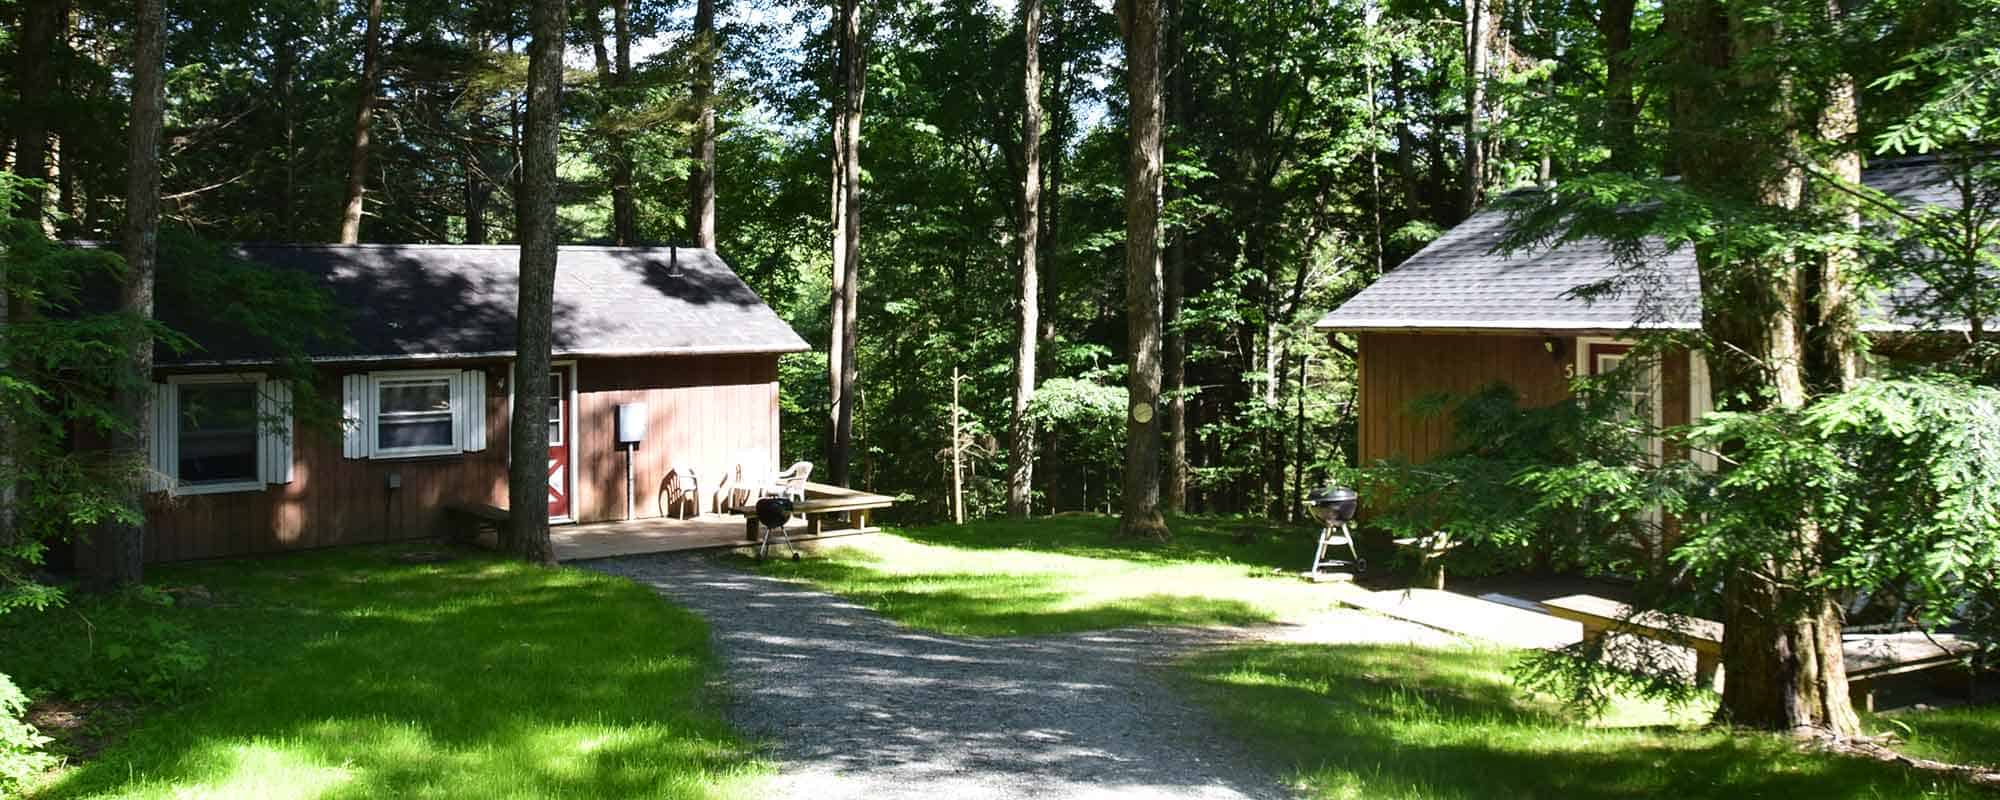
{"points": [[21, 756], [127, 646], [1501, 492], [1958, 78], [63, 362], [1902, 476], [65, 355]]}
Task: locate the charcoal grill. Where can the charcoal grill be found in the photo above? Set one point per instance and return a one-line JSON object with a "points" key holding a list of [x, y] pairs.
{"points": [[773, 513], [1336, 506]]}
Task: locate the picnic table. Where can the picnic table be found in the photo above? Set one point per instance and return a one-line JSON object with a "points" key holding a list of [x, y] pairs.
{"points": [[828, 510], [1869, 657]]}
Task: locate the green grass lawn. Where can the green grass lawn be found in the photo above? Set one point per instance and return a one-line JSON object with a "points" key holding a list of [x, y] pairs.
{"points": [[1062, 574], [350, 675], [1400, 723], [1962, 735]]}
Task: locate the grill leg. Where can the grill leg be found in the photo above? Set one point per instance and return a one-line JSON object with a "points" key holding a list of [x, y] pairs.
{"points": [[764, 545], [1319, 553]]}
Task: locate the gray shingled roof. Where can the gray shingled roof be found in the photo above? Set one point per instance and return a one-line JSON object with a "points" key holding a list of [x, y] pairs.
{"points": [[435, 301], [1458, 282]]}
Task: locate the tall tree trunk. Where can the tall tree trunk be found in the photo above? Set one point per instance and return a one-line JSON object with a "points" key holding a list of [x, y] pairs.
{"points": [[528, 470], [42, 23], [853, 69], [364, 118], [1473, 167], [1782, 644], [287, 79], [1374, 156], [610, 80], [1833, 335], [124, 551], [1059, 122], [1614, 27], [476, 191], [477, 187], [1174, 349], [624, 206], [1021, 449], [836, 354], [701, 175], [1140, 23]]}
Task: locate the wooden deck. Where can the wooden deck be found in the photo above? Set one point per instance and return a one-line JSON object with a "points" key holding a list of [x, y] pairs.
{"points": [[660, 535]]}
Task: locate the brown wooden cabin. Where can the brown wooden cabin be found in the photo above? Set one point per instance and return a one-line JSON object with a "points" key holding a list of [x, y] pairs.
{"points": [[424, 385], [1457, 317]]}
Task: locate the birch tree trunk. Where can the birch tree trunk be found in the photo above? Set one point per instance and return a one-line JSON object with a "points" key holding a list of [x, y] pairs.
{"points": [[364, 118], [1021, 448], [123, 553], [1474, 165], [1140, 22], [701, 176], [528, 470]]}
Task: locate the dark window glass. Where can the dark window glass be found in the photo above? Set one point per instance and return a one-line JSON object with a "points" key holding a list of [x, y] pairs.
{"points": [[413, 413], [218, 433]]}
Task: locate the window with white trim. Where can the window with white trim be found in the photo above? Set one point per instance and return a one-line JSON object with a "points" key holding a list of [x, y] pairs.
{"points": [[217, 435], [416, 414], [220, 433]]}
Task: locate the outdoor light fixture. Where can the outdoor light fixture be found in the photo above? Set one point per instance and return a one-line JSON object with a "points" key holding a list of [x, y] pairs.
{"points": [[1558, 350]]}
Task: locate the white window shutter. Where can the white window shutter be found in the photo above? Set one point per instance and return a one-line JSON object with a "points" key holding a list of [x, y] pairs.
{"points": [[274, 440], [355, 398], [472, 394], [160, 465]]}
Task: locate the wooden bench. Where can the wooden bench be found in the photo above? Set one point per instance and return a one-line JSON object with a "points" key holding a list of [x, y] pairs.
{"points": [[828, 510], [465, 521], [1430, 551], [1868, 656], [1600, 616]]}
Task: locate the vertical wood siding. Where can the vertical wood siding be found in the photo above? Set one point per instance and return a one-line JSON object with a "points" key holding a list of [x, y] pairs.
{"points": [[710, 414], [1398, 369], [704, 410]]}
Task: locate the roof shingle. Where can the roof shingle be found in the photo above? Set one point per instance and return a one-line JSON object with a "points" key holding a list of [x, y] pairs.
{"points": [[434, 301], [1459, 283]]}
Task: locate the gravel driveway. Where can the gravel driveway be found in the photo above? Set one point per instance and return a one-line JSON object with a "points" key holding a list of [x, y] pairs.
{"points": [[859, 706]]}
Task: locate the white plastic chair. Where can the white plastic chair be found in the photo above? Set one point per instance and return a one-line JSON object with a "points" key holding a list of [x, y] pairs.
{"points": [[791, 483]]}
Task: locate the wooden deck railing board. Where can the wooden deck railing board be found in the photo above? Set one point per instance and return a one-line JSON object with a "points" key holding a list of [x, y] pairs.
{"points": [[1868, 657], [847, 509]]}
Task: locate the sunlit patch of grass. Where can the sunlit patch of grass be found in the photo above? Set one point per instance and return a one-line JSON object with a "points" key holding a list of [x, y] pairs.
{"points": [[1062, 574], [1962, 735], [346, 674], [1404, 722]]}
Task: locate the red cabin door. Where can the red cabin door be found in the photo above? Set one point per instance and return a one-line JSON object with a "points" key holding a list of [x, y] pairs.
{"points": [[559, 428]]}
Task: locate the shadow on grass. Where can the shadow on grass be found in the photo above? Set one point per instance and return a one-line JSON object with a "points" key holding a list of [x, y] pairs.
{"points": [[1398, 722], [1005, 604], [345, 675]]}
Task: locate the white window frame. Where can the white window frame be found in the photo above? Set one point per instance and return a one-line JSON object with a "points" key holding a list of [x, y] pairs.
{"points": [[175, 485], [458, 411], [1654, 383]]}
